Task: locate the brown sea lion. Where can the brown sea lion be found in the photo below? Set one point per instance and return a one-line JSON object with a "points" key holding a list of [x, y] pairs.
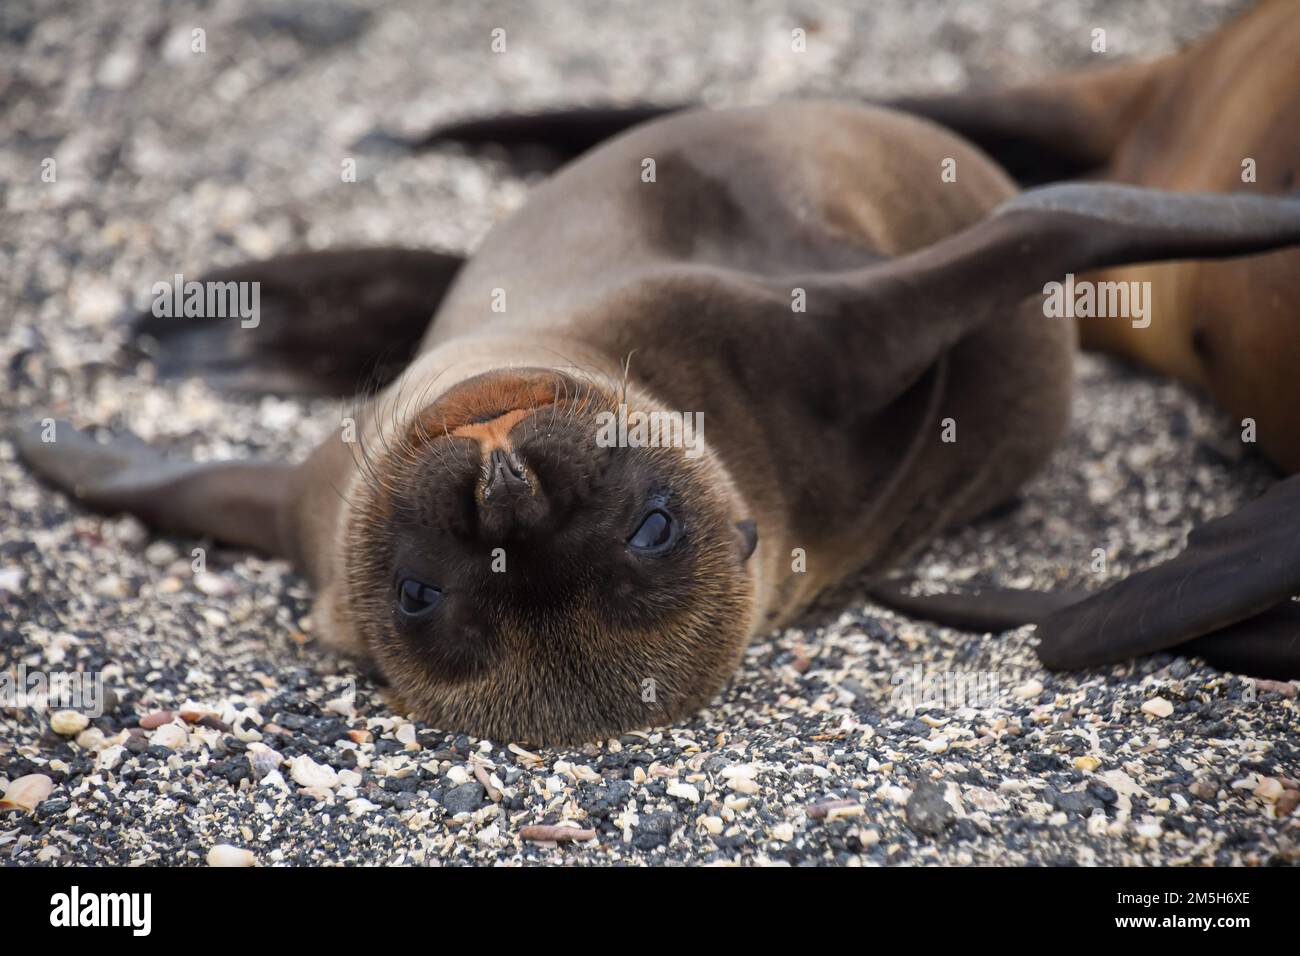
{"points": [[801, 275], [1219, 116]]}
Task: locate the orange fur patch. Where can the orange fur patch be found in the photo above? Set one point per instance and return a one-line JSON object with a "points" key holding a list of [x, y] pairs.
{"points": [[493, 434]]}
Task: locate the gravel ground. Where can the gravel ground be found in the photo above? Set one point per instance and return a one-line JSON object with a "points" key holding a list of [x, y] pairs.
{"points": [[170, 161]]}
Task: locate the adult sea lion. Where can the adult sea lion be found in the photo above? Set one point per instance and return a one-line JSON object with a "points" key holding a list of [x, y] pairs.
{"points": [[800, 274]]}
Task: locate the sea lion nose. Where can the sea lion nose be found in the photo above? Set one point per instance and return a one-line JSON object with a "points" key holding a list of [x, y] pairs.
{"points": [[510, 499], [505, 474]]}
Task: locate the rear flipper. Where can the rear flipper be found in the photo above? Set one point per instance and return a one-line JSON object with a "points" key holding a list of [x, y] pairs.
{"points": [[239, 503], [1058, 128], [1226, 598], [326, 323]]}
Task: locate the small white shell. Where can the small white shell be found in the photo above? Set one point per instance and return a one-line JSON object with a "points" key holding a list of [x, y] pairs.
{"points": [[685, 791], [1269, 789], [171, 736], [223, 854], [360, 806], [308, 773], [263, 759], [349, 778], [27, 792], [1158, 707]]}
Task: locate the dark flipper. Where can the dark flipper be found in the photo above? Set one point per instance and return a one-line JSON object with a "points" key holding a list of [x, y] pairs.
{"points": [[565, 133], [1059, 128], [1264, 646], [927, 301], [989, 611], [239, 503], [1225, 598], [328, 322], [1234, 569]]}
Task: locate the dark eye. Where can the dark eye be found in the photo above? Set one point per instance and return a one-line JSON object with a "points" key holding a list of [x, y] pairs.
{"points": [[654, 535], [416, 599]]}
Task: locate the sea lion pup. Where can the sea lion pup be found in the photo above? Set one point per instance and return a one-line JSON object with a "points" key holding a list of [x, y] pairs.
{"points": [[800, 274]]}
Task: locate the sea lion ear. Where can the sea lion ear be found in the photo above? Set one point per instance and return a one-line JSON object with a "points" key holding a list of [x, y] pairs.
{"points": [[896, 318], [746, 538]]}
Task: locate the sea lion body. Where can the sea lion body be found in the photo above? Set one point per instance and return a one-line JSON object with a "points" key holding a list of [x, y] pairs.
{"points": [[587, 267]]}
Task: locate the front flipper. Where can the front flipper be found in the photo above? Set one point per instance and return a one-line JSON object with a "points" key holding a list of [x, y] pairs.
{"points": [[326, 323], [238, 503], [893, 320], [1263, 646], [1233, 570], [1226, 598]]}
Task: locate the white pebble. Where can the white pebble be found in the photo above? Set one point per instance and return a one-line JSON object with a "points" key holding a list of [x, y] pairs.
{"points": [[111, 757], [308, 773], [69, 723], [110, 585], [740, 771], [1269, 789], [213, 585], [783, 832], [1157, 707], [26, 792], [223, 854], [172, 736], [349, 778], [685, 791], [1028, 690]]}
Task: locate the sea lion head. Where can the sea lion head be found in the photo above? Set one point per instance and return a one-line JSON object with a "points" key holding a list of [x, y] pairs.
{"points": [[519, 572]]}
